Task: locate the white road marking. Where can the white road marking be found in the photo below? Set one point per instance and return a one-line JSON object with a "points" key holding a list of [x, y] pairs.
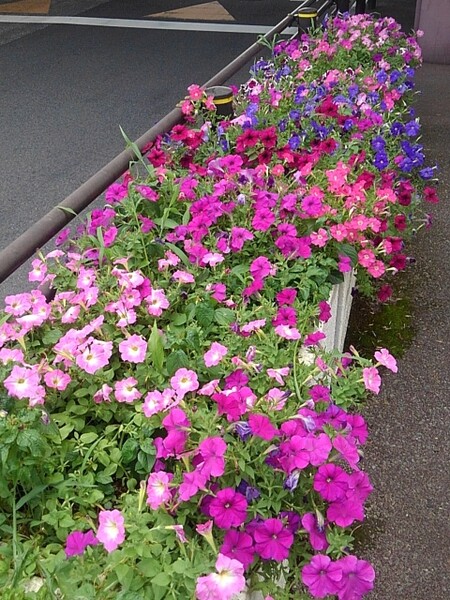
{"points": [[142, 24]]}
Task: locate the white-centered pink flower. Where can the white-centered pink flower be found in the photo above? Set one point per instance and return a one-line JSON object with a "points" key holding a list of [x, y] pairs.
{"points": [[22, 382], [158, 490], [95, 356], [215, 354], [126, 391], [287, 332], [111, 529], [228, 580], [156, 302], [133, 349], [184, 381], [57, 379]]}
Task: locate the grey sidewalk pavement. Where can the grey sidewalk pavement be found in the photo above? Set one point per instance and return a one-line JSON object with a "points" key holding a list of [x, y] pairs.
{"points": [[407, 533]]}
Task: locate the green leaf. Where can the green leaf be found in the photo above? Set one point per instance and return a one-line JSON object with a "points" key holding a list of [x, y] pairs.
{"points": [[88, 438], [177, 360], [149, 567], [224, 316], [205, 314], [156, 348], [124, 575], [51, 337], [162, 579], [129, 450], [32, 494], [349, 251]]}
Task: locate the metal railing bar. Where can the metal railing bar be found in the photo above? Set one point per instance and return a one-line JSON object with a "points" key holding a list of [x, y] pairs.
{"points": [[41, 232]]}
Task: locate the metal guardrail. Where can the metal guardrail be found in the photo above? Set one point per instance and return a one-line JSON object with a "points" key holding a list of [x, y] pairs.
{"points": [[41, 232]]}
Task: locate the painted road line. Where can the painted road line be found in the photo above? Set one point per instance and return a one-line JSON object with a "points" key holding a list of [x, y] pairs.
{"points": [[142, 24]]}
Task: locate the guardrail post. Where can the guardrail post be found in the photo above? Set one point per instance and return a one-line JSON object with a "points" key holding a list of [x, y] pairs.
{"points": [[306, 19], [360, 7], [222, 99]]}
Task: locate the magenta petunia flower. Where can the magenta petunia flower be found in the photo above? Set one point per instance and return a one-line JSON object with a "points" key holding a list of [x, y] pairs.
{"points": [[77, 542], [347, 449], [261, 426], [287, 296], [192, 482], [321, 576], [317, 537], [273, 540], [228, 508], [357, 578], [238, 545], [212, 452], [111, 529], [331, 481], [345, 512]]}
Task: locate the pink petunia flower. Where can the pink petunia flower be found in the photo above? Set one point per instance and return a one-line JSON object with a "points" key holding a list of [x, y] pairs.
{"points": [[183, 277], [385, 358], [125, 390], [158, 491], [156, 302], [57, 379], [184, 381], [111, 529], [215, 354], [22, 382], [372, 379], [95, 356], [133, 349], [228, 581], [287, 332]]}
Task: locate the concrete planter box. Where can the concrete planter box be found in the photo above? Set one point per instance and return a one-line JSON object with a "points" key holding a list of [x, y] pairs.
{"points": [[341, 303]]}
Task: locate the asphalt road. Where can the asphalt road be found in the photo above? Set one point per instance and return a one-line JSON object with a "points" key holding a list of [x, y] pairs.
{"points": [[65, 89]]}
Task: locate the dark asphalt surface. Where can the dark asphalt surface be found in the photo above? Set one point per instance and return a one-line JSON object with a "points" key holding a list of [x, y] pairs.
{"points": [[407, 532]]}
